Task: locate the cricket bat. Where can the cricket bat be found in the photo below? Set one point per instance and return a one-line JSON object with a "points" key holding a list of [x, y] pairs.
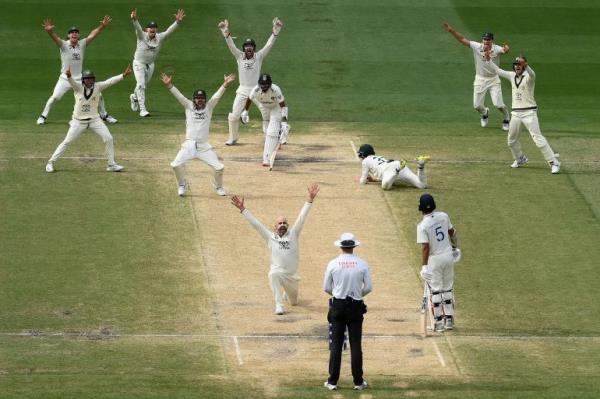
{"points": [[424, 310], [272, 157]]}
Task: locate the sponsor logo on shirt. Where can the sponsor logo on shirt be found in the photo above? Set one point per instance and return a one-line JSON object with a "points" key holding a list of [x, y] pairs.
{"points": [[284, 245]]}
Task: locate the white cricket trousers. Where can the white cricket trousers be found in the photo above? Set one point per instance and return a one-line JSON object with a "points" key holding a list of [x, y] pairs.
{"points": [[529, 119], [191, 149], [241, 95], [481, 86], [62, 86], [396, 175], [441, 283], [143, 73], [77, 127], [281, 282], [272, 128]]}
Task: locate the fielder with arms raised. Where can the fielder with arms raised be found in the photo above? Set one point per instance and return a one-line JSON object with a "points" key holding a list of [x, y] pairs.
{"points": [[249, 63], [198, 115], [284, 247], [438, 239]]}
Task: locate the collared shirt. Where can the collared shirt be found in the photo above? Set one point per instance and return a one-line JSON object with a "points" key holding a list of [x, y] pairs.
{"points": [[72, 57], [523, 87], [347, 276], [374, 166], [482, 68], [197, 121], [269, 99], [147, 49], [433, 230], [87, 100], [249, 69]]}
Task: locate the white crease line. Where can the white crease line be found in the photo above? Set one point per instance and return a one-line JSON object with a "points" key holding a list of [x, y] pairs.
{"points": [[439, 354], [354, 150], [238, 352]]}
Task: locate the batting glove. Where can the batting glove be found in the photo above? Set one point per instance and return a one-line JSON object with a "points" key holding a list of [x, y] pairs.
{"points": [[277, 25], [245, 117], [425, 273], [224, 26], [285, 131]]}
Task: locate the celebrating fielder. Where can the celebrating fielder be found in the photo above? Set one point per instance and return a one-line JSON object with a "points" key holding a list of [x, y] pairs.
{"points": [[86, 116], [249, 66], [438, 239], [284, 246], [486, 79], [198, 115], [148, 47], [524, 112], [72, 52], [390, 173]]}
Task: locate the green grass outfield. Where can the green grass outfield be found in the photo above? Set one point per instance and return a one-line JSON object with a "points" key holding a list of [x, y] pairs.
{"points": [[81, 251]]}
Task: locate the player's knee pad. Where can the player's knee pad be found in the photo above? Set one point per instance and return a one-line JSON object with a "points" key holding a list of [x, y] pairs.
{"points": [[436, 299], [448, 297]]}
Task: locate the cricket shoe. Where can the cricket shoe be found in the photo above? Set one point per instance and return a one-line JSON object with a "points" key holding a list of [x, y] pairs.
{"points": [[422, 160], [133, 101], [109, 119], [505, 125], [361, 386], [182, 189], [41, 120], [220, 191], [50, 167], [521, 161], [329, 386], [449, 323], [439, 326], [114, 168], [230, 142], [555, 165], [144, 114], [279, 309], [485, 118]]}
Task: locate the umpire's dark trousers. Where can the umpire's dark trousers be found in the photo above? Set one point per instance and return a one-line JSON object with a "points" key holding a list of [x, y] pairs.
{"points": [[345, 313]]}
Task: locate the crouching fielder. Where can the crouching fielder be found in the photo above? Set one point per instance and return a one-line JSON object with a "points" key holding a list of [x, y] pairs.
{"points": [[274, 114], [390, 172], [284, 246], [438, 239], [86, 116], [198, 114]]}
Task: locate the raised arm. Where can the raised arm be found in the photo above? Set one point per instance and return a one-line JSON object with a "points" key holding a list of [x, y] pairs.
{"points": [[115, 79], [103, 24], [139, 32], [313, 190], [457, 35], [178, 19], [500, 72], [49, 28], [224, 27], [227, 79], [168, 81], [277, 25]]}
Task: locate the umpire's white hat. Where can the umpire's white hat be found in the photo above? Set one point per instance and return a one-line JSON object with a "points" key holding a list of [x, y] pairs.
{"points": [[347, 240]]}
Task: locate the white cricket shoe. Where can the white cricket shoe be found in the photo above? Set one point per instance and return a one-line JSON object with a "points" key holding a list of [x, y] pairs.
{"points": [[329, 386], [114, 168], [182, 189], [438, 326], [50, 167], [361, 386], [109, 119], [230, 142], [422, 160], [449, 323], [133, 101], [220, 191], [485, 118], [144, 113], [279, 309], [521, 161], [505, 125], [555, 166], [41, 120]]}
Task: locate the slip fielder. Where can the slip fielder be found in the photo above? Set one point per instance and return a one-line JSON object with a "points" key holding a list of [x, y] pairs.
{"points": [[249, 63]]}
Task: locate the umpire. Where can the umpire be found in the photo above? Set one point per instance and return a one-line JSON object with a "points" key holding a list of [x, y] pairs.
{"points": [[347, 280]]}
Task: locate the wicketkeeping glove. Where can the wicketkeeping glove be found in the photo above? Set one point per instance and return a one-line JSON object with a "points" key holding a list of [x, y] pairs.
{"points": [[285, 131], [224, 26], [245, 117], [277, 24]]}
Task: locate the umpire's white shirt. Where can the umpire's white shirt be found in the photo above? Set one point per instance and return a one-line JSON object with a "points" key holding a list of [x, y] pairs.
{"points": [[347, 276], [249, 69], [269, 99], [433, 229], [482, 68], [72, 56], [147, 49], [197, 121], [285, 250]]}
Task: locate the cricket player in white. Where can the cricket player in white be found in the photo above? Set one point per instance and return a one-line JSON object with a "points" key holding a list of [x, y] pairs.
{"points": [[249, 63], [86, 116], [274, 111], [389, 172], [146, 52], [284, 246], [198, 115], [72, 52], [524, 113], [486, 79], [438, 238]]}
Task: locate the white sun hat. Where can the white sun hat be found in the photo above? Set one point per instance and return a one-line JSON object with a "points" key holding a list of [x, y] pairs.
{"points": [[347, 240]]}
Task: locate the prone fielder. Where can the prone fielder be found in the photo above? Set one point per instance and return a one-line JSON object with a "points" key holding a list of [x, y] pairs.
{"points": [[249, 62], [390, 173], [284, 248], [439, 253], [147, 49], [72, 53], [198, 115], [274, 111], [86, 115]]}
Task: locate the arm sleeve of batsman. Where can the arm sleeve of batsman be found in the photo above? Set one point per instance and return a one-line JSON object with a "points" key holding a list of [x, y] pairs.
{"points": [[364, 177], [180, 97], [262, 230]]}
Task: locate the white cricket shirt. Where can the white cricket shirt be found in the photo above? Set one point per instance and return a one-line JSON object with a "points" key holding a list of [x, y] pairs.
{"points": [[249, 69], [285, 250], [523, 88], [72, 56], [197, 121], [347, 276], [433, 229], [482, 69], [147, 49], [87, 100], [269, 99], [374, 166]]}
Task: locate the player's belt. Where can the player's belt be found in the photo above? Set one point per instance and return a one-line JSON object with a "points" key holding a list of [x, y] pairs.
{"points": [[524, 109], [348, 299]]}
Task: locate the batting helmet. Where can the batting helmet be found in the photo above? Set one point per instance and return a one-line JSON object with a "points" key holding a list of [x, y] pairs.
{"points": [[426, 203], [249, 42], [199, 93], [488, 36], [265, 79], [152, 24], [87, 74], [365, 150]]}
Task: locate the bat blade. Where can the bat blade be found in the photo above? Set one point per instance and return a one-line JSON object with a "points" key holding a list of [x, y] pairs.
{"points": [[272, 157]]}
